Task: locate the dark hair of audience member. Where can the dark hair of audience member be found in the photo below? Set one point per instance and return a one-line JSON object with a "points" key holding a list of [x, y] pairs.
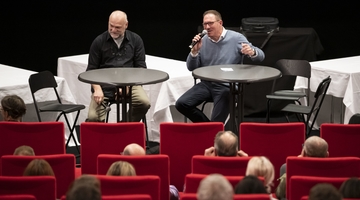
{"points": [[24, 150], [121, 168], [324, 191], [38, 167], [250, 185], [85, 187], [13, 108], [350, 188]]}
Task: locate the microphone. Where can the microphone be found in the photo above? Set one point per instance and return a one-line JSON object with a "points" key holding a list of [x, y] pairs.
{"points": [[204, 32]]}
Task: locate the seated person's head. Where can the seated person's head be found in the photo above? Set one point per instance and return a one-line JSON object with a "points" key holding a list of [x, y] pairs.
{"points": [[226, 144], [85, 187], [24, 150], [250, 185], [213, 187], [12, 108], [281, 188], [121, 168], [324, 191], [133, 149], [38, 167], [261, 166], [315, 146], [350, 188]]}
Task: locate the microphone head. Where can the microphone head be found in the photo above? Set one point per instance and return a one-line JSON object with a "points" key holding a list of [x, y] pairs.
{"points": [[204, 32]]}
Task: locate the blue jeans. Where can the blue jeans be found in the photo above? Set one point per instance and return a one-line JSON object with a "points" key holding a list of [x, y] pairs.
{"points": [[205, 91]]}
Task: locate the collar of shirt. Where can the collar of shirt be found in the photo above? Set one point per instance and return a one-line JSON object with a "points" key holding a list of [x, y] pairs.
{"points": [[221, 36]]}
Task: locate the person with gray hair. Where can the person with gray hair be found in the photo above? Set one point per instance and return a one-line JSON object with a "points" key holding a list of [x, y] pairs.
{"points": [[226, 144], [314, 146], [215, 187], [133, 149]]}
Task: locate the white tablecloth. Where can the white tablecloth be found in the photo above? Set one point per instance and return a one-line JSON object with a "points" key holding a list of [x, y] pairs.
{"points": [[345, 83], [161, 95], [14, 81]]}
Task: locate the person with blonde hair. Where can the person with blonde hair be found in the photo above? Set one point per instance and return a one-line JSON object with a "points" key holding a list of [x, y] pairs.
{"points": [[24, 150], [121, 168], [215, 187], [12, 108], [261, 166], [39, 167]]}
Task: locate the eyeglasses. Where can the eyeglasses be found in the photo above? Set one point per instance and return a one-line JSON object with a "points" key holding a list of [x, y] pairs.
{"points": [[209, 23]]}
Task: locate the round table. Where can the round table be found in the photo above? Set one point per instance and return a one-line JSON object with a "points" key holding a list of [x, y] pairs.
{"points": [[236, 75], [122, 78]]}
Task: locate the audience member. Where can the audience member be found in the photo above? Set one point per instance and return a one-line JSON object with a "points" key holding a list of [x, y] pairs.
{"points": [[86, 187], [280, 191], [351, 188], [226, 144], [121, 168], [324, 191], [24, 150], [215, 187], [38, 167], [218, 47], [314, 146], [250, 185], [13, 108], [133, 149], [261, 166], [117, 47]]}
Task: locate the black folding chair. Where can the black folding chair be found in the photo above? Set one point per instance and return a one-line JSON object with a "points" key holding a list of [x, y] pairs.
{"points": [[312, 110], [290, 68], [46, 79]]}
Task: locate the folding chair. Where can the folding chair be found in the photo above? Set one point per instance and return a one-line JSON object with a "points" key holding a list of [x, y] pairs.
{"points": [[181, 141], [46, 79], [309, 110], [321, 167], [63, 166], [227, 166], [42, 187], [121, 185], [157, 165], [343, 139], [290, 68], [107, 138]]}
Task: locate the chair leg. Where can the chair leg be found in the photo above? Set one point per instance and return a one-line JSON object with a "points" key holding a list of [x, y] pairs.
{"points": [[146, 132], [268, 111], [72, 128]]}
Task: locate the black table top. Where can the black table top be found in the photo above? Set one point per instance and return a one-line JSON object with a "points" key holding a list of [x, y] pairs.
{"points": [[236, 73], [123, 76]]}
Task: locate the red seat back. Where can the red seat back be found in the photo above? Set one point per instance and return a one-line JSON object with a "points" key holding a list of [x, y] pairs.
{"points": [[127, 197], [17, 197], [120, 185], [276, 141], [42, 187], [180, 141], [227, 166], [144, 165], [301, 185], [336, 135], [251, 197], [33, 134], [321, 167], [107, 138], [63, 166]]}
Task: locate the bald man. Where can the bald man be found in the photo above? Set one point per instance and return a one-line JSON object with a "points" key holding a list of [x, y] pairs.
{"points": [[116, 47], [225, 144], [134, 149]]}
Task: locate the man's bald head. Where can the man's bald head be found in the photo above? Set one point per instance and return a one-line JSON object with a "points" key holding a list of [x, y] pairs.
{"points": [[134, 149], [118, 23], [226, 144], [316, 146]]}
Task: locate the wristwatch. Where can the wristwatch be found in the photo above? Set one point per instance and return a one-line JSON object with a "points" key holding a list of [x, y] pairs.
{"points": [[254, 52]]}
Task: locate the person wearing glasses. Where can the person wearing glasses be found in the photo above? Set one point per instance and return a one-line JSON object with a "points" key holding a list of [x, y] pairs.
{"points": [[116, 47], [219, 47]]}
